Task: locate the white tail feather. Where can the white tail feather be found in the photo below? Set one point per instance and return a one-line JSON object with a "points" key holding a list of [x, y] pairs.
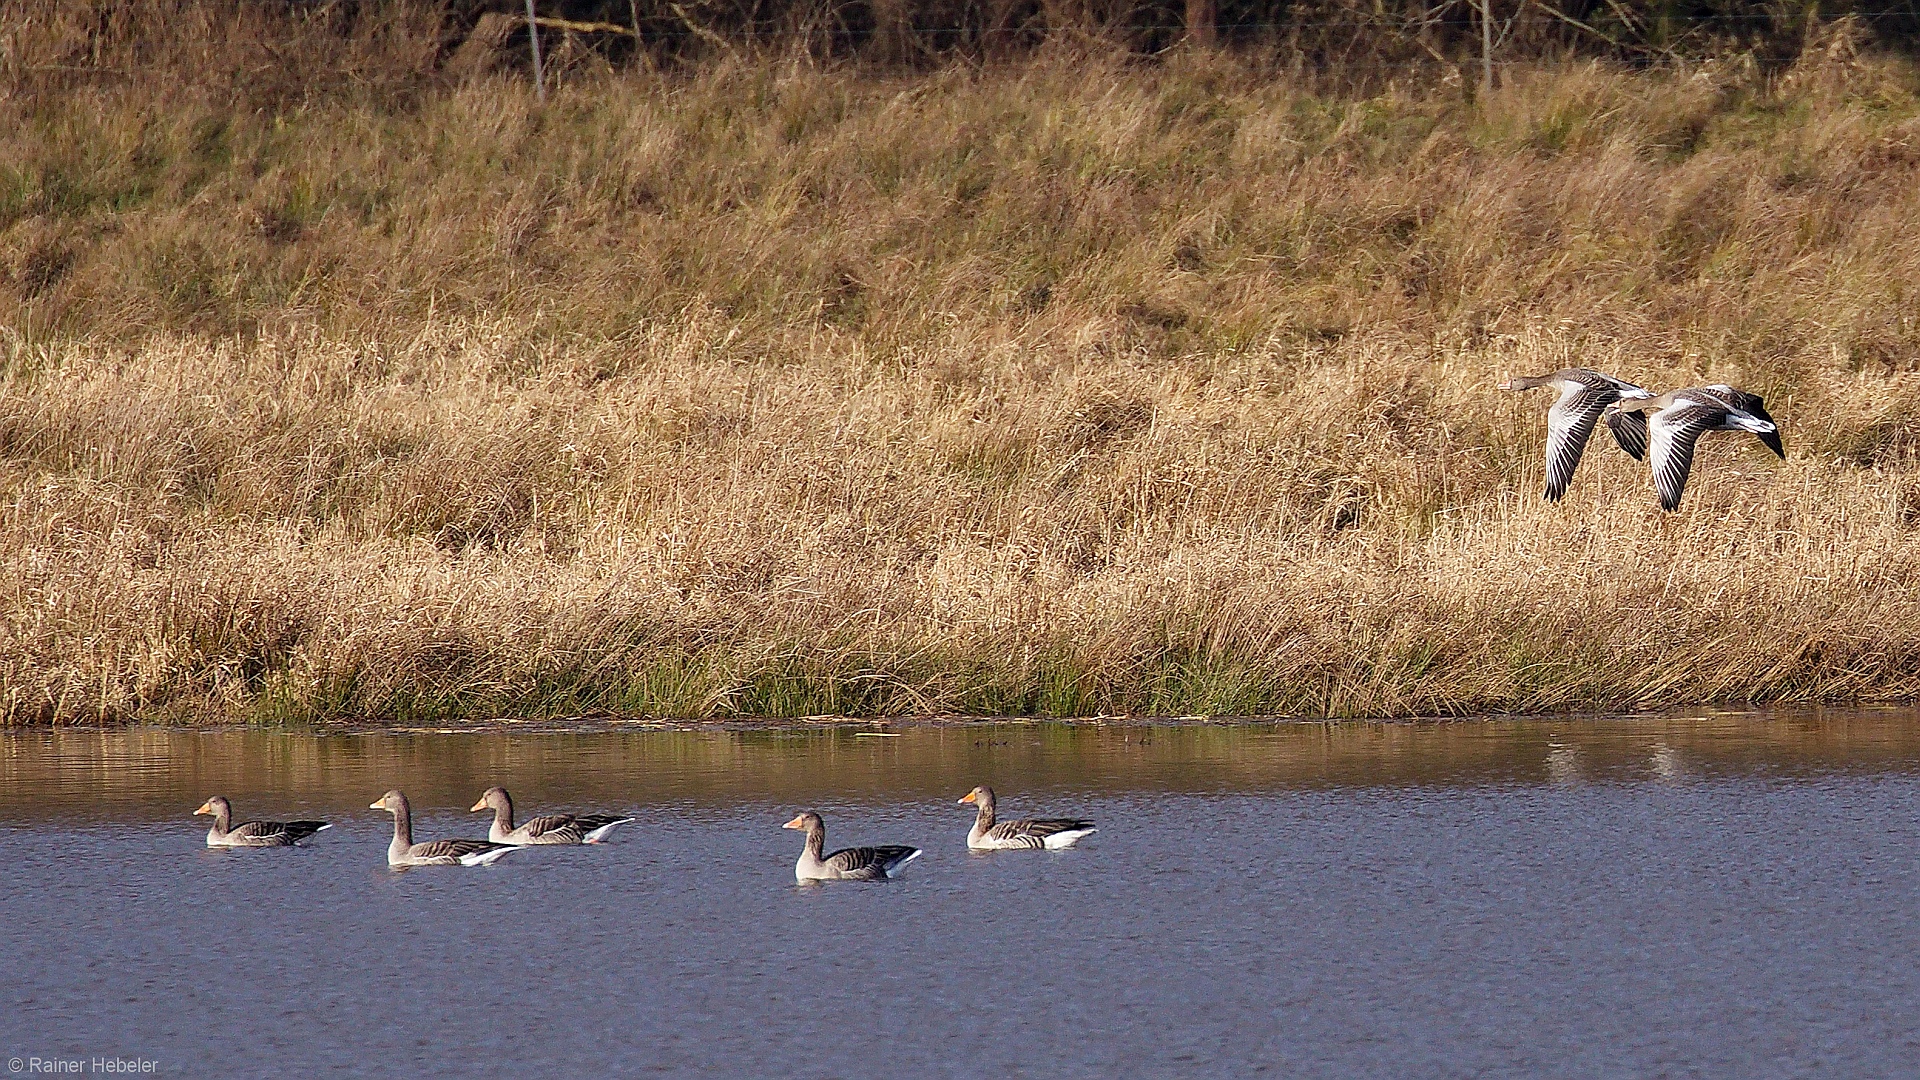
{"points": [[600, 833], [1066, 838]]}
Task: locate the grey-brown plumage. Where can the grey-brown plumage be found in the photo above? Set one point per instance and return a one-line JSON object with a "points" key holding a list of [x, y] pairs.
{"points": [[546, 829], [253, 833], [1029, 834], [1585, 395], [1678, 418], [404, 852], [847, 864]]}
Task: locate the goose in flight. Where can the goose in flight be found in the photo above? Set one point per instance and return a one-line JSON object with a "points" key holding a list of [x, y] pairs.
{"points": [[404, 852], [1032, 833], [253, 833], [547, 828], [847, 864], [1585, 395], [1678, 419]]}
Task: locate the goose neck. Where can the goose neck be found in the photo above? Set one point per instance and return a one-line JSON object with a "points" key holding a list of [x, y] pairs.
{"points": [[402, 825]]}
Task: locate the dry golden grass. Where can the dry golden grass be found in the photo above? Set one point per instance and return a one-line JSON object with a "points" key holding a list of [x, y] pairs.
{"points": [[1057, 388]]}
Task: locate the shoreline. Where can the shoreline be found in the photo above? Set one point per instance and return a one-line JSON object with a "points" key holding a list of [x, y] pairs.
{"points": [[887, 726]]}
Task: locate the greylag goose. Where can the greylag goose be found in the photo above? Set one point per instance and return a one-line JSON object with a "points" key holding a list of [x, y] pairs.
{"points": [[1029, 834], [1680, 417], [1585, 395], [253, 833], [847, 864], [404, 852], [546, 829]]}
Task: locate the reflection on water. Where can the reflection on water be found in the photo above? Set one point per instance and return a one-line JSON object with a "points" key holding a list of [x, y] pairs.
{"points": [[150, 773], [1730, 895]]}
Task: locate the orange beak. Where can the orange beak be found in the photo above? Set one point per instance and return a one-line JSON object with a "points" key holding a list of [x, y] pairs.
{"points": [[481, 805], [1506, 384], [204, 809], [968, 797], [798, 822], [377, 804]]}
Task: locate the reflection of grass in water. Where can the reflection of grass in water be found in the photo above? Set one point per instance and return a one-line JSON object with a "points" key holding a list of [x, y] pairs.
{"points": [[767, 390], [1031, 764]]}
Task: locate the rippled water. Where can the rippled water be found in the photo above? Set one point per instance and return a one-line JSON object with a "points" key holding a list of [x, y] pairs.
{"points": [[1717, 896]]}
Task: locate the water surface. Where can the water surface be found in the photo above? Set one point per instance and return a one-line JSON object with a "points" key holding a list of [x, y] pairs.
{"points": [[1725, 895]]}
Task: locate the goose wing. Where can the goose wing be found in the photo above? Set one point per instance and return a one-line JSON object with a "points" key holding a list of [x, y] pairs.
{"points": [[1675, 430], [272, 833], [257, 832], [1631, 429], [1033, 832], [566, 829], [869, 862], [453, 850], [551, 829], [1569, 425]]}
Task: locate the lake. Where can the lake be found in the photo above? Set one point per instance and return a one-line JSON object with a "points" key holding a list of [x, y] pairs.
{"points": [[1712, 895]]}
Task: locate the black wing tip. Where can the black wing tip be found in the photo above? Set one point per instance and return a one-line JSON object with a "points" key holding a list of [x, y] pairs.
{"points": [[1553, 494], [1772, 439]]}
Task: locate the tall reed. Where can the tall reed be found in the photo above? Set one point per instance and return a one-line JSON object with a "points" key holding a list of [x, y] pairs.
{"points": [[1043, 388]]}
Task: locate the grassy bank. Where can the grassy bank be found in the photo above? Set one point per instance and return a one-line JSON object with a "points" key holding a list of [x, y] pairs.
{"points": [[1064, 387]]}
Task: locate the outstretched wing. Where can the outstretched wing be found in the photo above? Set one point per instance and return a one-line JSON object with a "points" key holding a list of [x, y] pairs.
{"points": [[1630, 431], [1675, 430], [1569, 425], [1629, 428]]}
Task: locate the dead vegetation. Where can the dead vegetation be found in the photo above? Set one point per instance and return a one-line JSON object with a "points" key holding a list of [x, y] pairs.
{"points": [[1050, 387]]}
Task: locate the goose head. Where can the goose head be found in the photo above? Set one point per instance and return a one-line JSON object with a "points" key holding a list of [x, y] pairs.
{"points": [[980, 796], [216, 806], [494, 799], [391, 802], [808, 820]]}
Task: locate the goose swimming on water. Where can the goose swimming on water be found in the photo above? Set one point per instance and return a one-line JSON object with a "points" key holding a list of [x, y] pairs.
{"points": [[404, 852], [1029, 834], [253, 833], [1585, 395], [847, 864], [1678, 419], [547, 828]]}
